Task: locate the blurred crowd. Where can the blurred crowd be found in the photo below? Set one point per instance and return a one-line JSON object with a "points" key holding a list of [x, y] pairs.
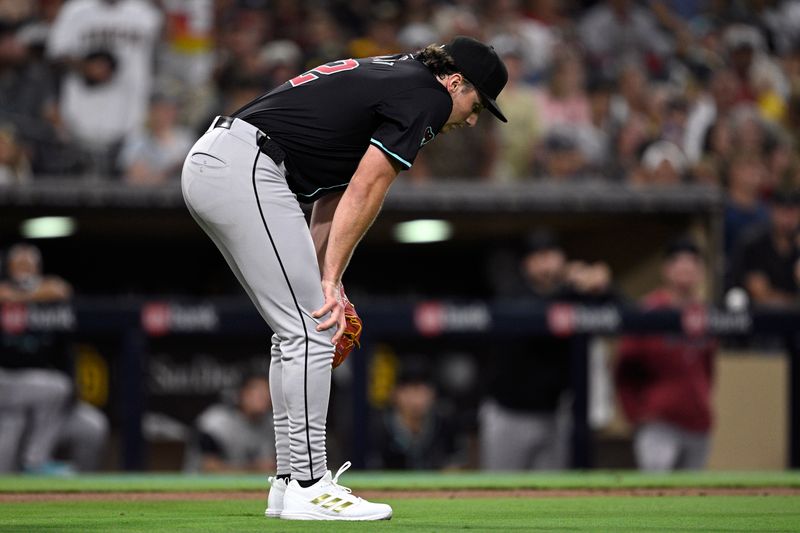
{"points": [[653, 92], [649, 92]]}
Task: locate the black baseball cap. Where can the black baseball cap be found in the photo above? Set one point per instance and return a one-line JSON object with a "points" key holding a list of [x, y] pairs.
{"points": [[681, 245], [484, 69], [541, 240]]}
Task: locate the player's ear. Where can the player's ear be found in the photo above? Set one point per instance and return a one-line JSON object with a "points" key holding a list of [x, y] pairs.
{"points": [[454, 83]]}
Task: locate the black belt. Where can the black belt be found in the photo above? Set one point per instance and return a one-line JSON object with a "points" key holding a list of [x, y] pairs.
{"points": [[265, 143]]}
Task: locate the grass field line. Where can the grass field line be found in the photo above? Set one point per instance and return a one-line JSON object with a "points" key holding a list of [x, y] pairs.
{"points": [[410, 481], [30, 497]]}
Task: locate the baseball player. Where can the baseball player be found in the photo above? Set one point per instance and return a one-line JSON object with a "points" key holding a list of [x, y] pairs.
{"points": [[336, 136], [665, 382], [38, 409]]}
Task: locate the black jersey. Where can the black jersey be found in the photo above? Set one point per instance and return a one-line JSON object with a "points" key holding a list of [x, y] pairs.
{"points": [[326, 118]]}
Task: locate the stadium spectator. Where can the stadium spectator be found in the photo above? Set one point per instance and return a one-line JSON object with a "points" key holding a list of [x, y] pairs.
{"points": [[767, 259], [744, 207], [632, 93], [240, 63], [25, 86], [596, 139], [38, 408], [107, 47], [515, 143], [466, 154], [380, 37], [236, 437], [673, 116], [186, 57], [760, 80], [781, 21], [564, 102], [155, 155], [791, 65], [30, 99], [559, 157], [523, 421], [713, 106], [664, 382], [457, 19], [717, 151], [750, 133], [413, 434], [662, 163], [417, 30], [14, 165], [615, 32], [628, 142], [282, 60], [539, 38], [323, 39], [17, 11], [564, 110], [792, 121], [782, 161]]}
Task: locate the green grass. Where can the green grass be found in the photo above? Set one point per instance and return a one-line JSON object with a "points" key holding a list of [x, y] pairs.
{"points": [[405, 481], [618, 514]]}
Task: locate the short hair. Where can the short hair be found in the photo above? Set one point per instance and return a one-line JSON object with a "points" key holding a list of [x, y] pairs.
{"points": [[439, 62], [682, 245], [25, 248]]}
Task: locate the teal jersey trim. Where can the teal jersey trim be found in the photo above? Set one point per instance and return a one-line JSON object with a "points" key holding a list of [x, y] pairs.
{"points": [[323, 189], [380, 145]]}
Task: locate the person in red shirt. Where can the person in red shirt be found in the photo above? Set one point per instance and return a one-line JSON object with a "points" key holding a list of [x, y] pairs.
{"points": [[664, 381]]}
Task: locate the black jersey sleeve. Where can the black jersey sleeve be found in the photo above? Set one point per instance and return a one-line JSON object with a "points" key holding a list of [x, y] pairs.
{"points": [[410, 119]]}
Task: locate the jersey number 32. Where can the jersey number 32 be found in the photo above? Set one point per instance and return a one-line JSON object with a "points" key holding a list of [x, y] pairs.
{"points": [[327, 70]]}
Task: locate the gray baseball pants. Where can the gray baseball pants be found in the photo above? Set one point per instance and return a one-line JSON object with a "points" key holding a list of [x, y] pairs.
{"points": [[32, 402], [514, 440], [240, 198], [661, 447]]}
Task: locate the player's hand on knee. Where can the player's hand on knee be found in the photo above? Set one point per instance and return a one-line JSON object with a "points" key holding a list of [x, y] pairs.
{"points": [[333, 305]]}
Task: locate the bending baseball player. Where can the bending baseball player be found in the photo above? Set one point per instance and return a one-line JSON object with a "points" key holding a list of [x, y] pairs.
{"points": [[336, 136]]}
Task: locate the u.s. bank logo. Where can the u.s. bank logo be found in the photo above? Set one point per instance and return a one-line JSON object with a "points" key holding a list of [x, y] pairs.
{"points": [[427, 137]]}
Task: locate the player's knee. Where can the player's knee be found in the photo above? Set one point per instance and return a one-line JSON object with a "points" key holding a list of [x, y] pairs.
{"points": [[52, 387], [95, 423], [315, 344]]}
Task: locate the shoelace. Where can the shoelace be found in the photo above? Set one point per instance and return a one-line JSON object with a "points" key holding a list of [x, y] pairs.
{"points": [[342, 470]]}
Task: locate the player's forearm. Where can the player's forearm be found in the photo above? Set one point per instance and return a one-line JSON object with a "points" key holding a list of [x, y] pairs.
{"points": [[357, 209], [356, 212], [52, 290], [321, 219]]}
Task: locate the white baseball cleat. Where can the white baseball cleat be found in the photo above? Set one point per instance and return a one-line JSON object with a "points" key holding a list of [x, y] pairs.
{"points": [[275, 498], [327, 500]]}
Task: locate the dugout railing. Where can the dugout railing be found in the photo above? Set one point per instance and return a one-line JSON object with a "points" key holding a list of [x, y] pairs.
{"points": [[135, 323]]}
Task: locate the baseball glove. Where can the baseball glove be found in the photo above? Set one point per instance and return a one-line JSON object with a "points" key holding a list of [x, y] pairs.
{"points": [[352, 332]]}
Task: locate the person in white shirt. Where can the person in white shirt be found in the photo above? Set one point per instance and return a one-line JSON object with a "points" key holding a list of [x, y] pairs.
{"points": [[108, 46]]}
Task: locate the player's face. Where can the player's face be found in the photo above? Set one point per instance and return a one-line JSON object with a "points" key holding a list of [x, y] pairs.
{"points": [[466, 108], [23, 265], [684, 272]]}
